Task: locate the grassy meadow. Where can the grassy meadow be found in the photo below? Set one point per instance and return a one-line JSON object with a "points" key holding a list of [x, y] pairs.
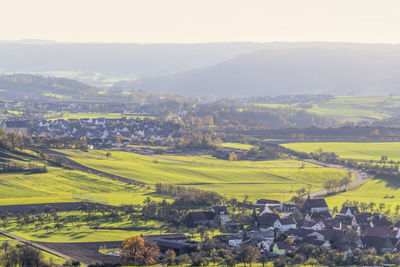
{"points": [[375, 190], [61, 185], [349, 108], [352, 150], [237, 146], [77, 229], [272, 179]]}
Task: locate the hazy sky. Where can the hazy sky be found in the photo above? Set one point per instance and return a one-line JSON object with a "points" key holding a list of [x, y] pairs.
{"points": [[154, 21]]}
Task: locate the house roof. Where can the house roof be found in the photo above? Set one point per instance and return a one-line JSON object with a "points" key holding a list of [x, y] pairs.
{"points": [[314, 203], [379, 220], [171, 244], [320, 215], [284, 245], [249, 243], [15, 124], [397, 224], [287, 221], [378, 242], [220, 209], [345, 220], [267, 219], [300, 232], [267, 201], [379, 231], [362, 218], [353, 209], [332, 235], [261, 234], [309, 224], [332, 223]]}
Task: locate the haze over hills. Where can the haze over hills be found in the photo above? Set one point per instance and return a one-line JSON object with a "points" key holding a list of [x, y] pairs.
{"points": [[219, 69], [36, 86], [336, 71], [115, 59]]}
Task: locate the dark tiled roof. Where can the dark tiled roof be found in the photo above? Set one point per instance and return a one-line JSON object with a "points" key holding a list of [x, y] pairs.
{"points": [[267, 219], [362, 218], [15, 124], [332, 235], [353, 209], [378, 220], [171, 244], [261, 234], [284, 245], [331, 223], [345, 220], [378, 231], [320, 215], [220, 209], [378, 242], [300, 232], [287, 221], [315, 203], [267, 201], [310, 223]]}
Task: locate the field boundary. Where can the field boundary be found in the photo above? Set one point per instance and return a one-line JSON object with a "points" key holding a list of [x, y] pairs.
{"points": [[80, 167], [40, 247]]}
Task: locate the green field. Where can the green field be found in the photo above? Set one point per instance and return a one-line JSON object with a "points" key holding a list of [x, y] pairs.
{"points": [[77, 229], [352, 150], [237, 146], [210, 160], [61, 185], [272, 179], [348, 108], [375, 190]]}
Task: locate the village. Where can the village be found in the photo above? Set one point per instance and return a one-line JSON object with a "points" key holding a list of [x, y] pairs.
{"points": [[98, 132], [276, 229]]}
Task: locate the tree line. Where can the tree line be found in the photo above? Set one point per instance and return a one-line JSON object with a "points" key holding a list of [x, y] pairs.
{"points": [[13, 166]]}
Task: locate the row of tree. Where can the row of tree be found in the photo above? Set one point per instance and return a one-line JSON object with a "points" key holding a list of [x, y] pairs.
{"points": [[189, 195], [13, 166]]}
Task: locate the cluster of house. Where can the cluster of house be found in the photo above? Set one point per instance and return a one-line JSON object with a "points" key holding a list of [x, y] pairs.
{"points": [[276, 234], [98, 132]]}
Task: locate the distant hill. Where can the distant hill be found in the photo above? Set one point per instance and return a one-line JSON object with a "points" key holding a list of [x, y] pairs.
{"points": [[346, 70], [219, 69], [113, 59], [36, 86]]}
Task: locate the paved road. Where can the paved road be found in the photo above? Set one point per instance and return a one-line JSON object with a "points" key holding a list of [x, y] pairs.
{"points": [[361, 176], [39, 246]]}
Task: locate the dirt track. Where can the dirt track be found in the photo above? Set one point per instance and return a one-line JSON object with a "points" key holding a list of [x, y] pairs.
{"points": [[86, 252]]}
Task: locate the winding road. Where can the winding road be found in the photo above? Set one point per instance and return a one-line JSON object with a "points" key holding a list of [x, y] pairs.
{"points": [[361, 177]]}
